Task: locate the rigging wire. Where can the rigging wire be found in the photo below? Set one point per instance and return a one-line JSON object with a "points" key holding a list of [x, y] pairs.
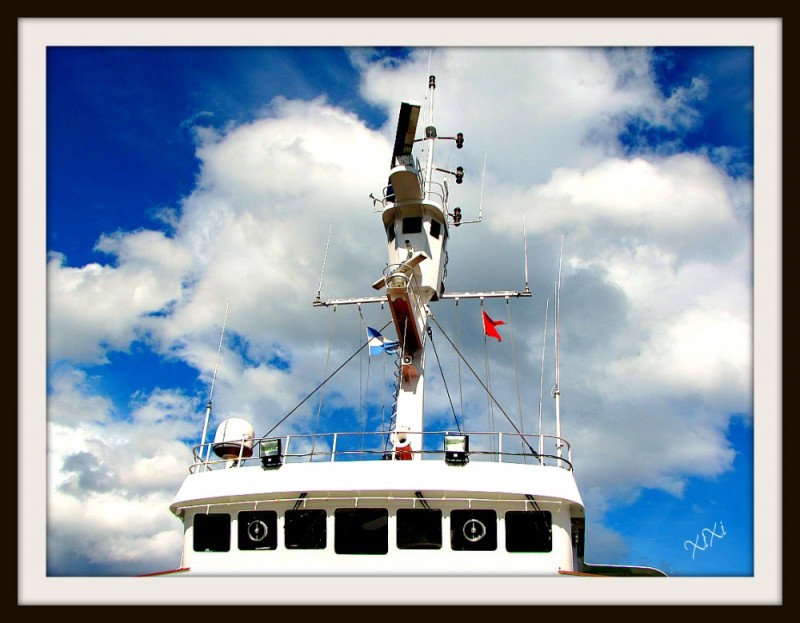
{"points": [[489, 384], [382, 401], [361, 371], [447, 391], [366, 390], [327, 361], [541, 382], [533, 502], [514, 363], [383, 397], [478, 378], [383, 393], [458, 339], [332, 374]]}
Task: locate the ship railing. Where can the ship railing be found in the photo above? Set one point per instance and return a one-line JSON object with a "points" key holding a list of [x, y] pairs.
{"points": [[433, 192], [387, 199], [436, 192], [400, 277], [497, 447], [395, 277]]}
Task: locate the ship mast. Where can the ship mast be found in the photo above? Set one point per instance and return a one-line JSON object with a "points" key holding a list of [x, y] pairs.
{"points": [[419, 216], [416, 219]]}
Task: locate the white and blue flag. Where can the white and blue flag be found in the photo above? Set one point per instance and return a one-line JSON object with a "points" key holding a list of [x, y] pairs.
{"points": [[378, 343]]}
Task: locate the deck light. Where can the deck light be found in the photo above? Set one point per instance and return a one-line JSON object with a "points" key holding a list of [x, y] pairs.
{"points": [[271, 453], [456, 449]]}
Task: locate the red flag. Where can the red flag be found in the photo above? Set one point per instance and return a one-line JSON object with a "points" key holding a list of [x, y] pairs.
{"points": [[489, 326]]}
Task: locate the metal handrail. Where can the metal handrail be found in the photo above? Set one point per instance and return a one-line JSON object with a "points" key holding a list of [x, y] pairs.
{"points": [[436, 190], [296, 448], [431, 191]]}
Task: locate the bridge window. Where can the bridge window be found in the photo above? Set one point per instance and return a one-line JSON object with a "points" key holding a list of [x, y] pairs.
{"points": [[473, 530], [305, 529], [412, 224], [436, 228], [529, 531], [361, 531], [390, 232], [419, 528], [212, 532], [258, 530]]}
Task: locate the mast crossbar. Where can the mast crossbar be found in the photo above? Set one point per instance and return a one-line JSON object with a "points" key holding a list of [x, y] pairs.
{"points": [[451, 295]]}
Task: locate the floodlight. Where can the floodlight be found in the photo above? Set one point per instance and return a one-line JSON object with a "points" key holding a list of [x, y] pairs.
{"points": [[456, 449], [271, 453]]}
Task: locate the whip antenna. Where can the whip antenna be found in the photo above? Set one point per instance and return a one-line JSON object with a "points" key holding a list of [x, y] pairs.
{"points": [[324, 259], [213, 380], [541, 382], [480, 203], [557, 388], [525, 241]]}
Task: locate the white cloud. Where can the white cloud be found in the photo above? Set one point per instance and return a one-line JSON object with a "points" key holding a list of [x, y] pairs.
{"points": [[657, 285], [111, 482], [95, 307]]}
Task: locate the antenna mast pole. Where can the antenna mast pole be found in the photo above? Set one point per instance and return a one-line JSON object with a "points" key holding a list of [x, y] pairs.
{"points": [[525, 241], [480, 203], [324, 260], [213, 380], [557, 388], [430, 134], [541, 382]]}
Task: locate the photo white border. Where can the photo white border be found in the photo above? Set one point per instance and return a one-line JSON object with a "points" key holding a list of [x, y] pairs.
{"points": [[764, 34]]}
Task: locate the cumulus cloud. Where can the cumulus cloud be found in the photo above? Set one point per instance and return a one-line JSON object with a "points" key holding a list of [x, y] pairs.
{"points": [[111, 481], [656, 282], [98, 307]]}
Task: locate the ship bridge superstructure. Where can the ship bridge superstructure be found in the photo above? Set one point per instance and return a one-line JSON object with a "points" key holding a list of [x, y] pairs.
{"points": [[405, 500]]}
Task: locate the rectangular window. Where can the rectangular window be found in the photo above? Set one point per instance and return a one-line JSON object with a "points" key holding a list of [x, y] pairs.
{"points": [[412, 224], [436, 228], [419, 528], [258, 529], [529, 531], [305, 529], [212, 532], [390, 232], [473, 530], [578, 534], [361, 531]]}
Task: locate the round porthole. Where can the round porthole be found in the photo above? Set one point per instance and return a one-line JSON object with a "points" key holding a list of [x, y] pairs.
{"points": [[257, 530], [474, 530]]}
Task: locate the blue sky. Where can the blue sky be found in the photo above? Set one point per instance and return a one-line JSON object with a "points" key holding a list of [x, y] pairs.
{"points": [[160, 210]]}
